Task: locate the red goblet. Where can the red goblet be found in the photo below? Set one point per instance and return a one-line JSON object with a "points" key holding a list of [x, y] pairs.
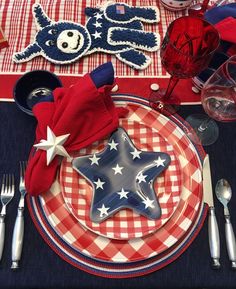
{"points": [[185, 51]]}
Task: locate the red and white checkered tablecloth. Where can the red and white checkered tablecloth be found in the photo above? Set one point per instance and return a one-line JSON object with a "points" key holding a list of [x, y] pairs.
{"points": [[19, 28]]}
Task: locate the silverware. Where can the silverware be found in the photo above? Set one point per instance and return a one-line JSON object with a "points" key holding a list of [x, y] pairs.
{"points": [[224, 193], [7, 193], [18, 232], [213, 231]]}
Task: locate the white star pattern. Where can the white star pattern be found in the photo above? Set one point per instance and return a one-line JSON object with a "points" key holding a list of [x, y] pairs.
{"points": [[97, 35], [136, 154], [123, 194], [122, 178], [98, 16], [53, 145], [103, 211], [148, 203], [97, 24], [113, 145], [118, 169], [141, 178], [99, 184], [159, 162], [94, 159]]}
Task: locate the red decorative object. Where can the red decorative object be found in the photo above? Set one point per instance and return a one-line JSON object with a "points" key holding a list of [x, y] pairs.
{"points": [[226, 29], [186, 50], [83, 111], [3, 40]]}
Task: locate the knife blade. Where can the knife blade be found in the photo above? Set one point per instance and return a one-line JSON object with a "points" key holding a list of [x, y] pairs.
{"points": [[213, 231]]}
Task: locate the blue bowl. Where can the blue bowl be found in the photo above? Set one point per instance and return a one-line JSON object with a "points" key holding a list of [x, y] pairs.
{"points": [[32, 87]]}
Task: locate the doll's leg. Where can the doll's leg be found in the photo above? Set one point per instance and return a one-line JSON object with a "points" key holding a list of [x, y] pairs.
{"points": [[139, 39], [134, 58]]}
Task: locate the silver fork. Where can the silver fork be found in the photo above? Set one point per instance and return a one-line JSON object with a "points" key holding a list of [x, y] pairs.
{"points": [[7, 193], [18, 232]]}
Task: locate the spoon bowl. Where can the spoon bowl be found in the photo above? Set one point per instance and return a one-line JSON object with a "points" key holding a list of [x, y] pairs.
{"points": [[223, 191]]}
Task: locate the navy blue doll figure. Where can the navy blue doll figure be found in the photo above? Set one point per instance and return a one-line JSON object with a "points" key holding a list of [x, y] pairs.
{"points": [[112, 28]]}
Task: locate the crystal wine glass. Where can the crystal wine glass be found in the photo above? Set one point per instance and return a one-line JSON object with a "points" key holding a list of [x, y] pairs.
{"points": [[219, 102], [185, 51]]}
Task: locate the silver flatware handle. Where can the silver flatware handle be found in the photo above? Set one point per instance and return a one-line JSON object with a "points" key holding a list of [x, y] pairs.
{"points": [[214, 239], [230, 242], [17, 240], [2, 234]]}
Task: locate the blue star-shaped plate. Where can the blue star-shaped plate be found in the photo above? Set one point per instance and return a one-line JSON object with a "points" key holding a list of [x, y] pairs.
{"points": [[122, 177]]}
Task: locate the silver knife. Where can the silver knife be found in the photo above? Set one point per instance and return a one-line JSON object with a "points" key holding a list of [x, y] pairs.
{"points": [[213, 231]]}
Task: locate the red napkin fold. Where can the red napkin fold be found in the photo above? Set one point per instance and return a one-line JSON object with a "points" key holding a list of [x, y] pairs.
{"points": [[83, 111], [226, 28]]}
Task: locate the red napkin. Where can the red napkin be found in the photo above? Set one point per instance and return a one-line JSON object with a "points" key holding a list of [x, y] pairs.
{"points": [[226, 28], [83, 111]]}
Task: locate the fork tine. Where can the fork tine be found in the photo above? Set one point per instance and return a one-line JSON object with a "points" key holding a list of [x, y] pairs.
{"points": [[7, 184], [12, 184], [3, 184], [24, 163], [7, 181], [21, 171]]}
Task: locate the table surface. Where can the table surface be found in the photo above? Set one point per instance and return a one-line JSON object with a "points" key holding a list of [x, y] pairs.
{"points": [[42, 268]]}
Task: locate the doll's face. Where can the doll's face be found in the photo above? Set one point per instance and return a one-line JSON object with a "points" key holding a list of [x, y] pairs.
{"points": [[63, 41], [70, 41]]}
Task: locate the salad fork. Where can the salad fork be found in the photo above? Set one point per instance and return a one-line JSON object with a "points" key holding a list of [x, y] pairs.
{"points": [[18, 232], [7, 193]]}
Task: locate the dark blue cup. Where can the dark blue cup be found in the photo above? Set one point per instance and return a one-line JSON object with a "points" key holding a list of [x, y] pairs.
{"points": [[32, 87]]}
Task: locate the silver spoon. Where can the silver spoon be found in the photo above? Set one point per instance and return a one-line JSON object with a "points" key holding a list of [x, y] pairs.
{"points": [[224, 193]]}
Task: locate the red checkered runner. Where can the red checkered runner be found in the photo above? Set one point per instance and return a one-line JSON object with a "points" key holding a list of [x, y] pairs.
{"points": [[19, 27]]}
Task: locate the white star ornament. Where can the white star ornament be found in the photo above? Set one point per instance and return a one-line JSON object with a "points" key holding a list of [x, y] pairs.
{"points": [[53, 145]]}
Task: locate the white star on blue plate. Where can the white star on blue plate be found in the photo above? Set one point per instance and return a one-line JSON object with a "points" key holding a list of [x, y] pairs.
{"points": [[123, 178]]}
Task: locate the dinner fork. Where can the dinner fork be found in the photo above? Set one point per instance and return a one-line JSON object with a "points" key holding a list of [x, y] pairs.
{"points": [[7, 193], [18, 232]]}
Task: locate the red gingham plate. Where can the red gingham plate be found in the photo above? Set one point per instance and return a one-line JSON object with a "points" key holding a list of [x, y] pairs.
{"points": [[125, 224], [102, 248]]}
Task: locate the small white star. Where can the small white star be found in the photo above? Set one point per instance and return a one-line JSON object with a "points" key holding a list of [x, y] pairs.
{"points": [[123, 194], [148, 203], [94, 159], [136, 154], [53, 145], [113, 145], [103, 211], [141, 178], [118, 169], [159, 162], [97, 24], [98, 16], [99, 184], [97, 35]]}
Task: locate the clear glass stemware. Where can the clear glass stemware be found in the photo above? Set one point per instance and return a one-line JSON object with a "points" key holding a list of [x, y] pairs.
{"points": [[218, 98]]}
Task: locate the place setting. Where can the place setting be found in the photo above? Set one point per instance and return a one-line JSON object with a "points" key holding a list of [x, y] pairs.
{"points": [[120, 184]]}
